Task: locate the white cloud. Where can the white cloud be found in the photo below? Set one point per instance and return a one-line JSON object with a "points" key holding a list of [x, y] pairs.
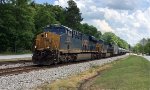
{"points": [[102, 25], [62, 3], [127, 20]]}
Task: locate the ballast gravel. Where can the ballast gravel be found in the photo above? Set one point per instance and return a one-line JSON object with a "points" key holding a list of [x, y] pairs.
{"points": [[28, 81], [4, 66]]}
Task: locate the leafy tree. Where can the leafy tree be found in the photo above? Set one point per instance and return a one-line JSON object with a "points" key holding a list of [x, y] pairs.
{"points": [[42, 18], [98, 35], [7, 25], [89, 30], [138, 48], [147, 47], [16, 20], [58, 13], [24, 24], [142, 47], [109, 37], [72, 15]]}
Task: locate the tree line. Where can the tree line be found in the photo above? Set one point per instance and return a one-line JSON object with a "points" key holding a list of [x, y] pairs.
{"points": [[142, 47], [22, 20]]}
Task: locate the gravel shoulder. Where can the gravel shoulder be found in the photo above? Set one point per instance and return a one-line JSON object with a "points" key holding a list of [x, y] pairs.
{"points": [[15, 62], [13, 65], [31, 80]]}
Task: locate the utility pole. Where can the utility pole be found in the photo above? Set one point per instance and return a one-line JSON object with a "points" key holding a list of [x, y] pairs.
{"points": [[129, 48]]}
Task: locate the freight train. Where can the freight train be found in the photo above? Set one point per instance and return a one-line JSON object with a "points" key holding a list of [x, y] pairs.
{"points": [[59, 43]]}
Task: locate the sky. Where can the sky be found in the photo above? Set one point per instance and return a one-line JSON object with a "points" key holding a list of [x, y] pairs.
{"points": [[128, 19]]}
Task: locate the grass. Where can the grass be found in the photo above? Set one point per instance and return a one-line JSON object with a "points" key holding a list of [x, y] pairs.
{"points": [[133, 73]]}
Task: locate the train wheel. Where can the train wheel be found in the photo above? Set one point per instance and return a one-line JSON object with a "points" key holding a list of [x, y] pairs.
{"points": [[56, 59], [55, 62]]}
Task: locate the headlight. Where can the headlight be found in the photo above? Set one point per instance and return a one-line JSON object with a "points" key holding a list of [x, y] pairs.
{"points": [[46, 35], [34, 46]]}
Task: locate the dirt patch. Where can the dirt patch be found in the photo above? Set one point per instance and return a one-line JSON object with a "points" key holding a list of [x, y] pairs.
{"points": [[87, 84]]}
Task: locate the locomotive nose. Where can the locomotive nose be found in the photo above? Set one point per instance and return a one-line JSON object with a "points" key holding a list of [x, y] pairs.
{"points": [[47, 40], [46, 47]]}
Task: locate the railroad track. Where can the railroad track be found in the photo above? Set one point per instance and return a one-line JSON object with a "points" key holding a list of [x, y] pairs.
{"points": [[15, 62], [18, 70]]}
